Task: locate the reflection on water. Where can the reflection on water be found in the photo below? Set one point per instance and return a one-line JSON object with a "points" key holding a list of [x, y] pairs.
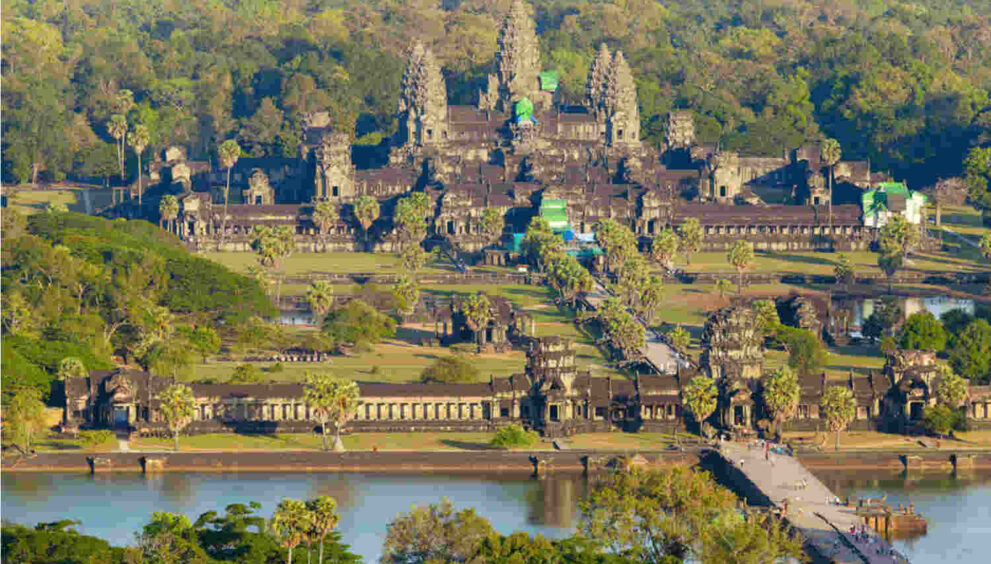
{"points": [[855, 310], [115, 506], [958, 510]]}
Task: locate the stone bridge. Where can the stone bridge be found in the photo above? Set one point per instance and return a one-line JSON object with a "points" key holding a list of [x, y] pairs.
{"points": [[781, 482]]}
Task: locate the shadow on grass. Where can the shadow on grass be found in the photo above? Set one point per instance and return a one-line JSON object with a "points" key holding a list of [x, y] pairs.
{"points": [[411, 335], [58, 446], [797, 258], [465, 445]]}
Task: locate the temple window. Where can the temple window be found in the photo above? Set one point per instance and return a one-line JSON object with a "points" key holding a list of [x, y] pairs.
{"points": [[554, 413], [600, 412], [504, 411], [335, 191]]}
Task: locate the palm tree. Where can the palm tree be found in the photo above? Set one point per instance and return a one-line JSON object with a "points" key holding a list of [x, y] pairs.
{"points": [[839, 408], [325, 214], [229, 152], [117, 126], [71, 367], [178, 406], [831, 154], [366, 211], [742, 257], [331, 399], [478, 312], [320, 296], [168, 211], [290, 523], [139, 140], [324, 517]]}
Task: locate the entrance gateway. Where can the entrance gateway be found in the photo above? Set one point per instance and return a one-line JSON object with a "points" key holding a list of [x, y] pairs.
{"points": [[120, 416]]}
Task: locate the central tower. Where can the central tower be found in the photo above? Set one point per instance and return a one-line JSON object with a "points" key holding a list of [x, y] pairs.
{"points": [[518, 60]]}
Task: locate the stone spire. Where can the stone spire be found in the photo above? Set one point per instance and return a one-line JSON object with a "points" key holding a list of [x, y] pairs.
{"points": [[422, 98], [595, 85], [620, 103], [518, 57]]}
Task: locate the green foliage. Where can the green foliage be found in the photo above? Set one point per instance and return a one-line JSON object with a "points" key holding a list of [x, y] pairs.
{"points": [[96, 437], [951, 390], [941, 419], [691, 237], [450, 369], [358, 324], [477, 311], [970, 352], [621, 330], [24, 418], [177, 405], [514, 436], [569, 278], [679, 339], [406, 294], [838, 408], [781, 393], [41, 544], [273, 244], [435, 533], [977, 169], [246, 374], [665, 246], [540, 243], [492, 223], [331, 400], [722, 286], [617, 242], [922, 331], [742, 257], [766, 314], [806, 353], [320, 296], [677, 515], [699, 397], [843, 271], [413, 258]]}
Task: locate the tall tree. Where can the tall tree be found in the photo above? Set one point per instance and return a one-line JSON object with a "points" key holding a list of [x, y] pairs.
{"points": [[742, 257], [986, 245], [139, 140], [413, 258], [691, 238], [839, 408], [325, 214], [323, 518], [700, 396], [665, 247], [320, 296], [679, 338], [831, 154], [290, 523], [569, 278], [477, 311], [366, 211], [178, 406], [168, 211], [406, 293], [970, 354], [24, 417], [781, 394], [435, 533], [923, 331], [952, 390], [71, 367], [843, 271], [492, 223], [229, 152], [331, 400], [117, 126], [541, 244]]}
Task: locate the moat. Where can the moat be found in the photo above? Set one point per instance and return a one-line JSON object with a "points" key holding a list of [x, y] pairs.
{"points": [[114, 506]]}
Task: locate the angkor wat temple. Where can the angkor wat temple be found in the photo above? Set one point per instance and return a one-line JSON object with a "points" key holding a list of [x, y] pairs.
{"points": [[518, 145], [551, 396]]}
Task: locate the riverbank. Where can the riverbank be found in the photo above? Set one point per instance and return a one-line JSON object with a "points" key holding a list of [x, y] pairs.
{"points": [[423, 461]]}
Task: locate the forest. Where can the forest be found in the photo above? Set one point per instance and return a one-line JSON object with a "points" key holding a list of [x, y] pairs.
{"points": [[903, 83]]}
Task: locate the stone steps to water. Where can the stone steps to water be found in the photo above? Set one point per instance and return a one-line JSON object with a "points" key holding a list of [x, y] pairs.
{"points": [[807, 505]]}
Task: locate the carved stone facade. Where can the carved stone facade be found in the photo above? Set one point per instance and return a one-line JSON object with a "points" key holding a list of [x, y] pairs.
{"points": [[472, 157]]}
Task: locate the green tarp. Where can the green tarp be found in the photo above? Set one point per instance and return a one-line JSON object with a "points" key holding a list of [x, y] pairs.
{"points": [[548, 81], [524, 110], [556, 213]]}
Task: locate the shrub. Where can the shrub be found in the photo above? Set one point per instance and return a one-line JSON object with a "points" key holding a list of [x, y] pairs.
{"points": [[450, 369], [275, 368], [941, 419], [246, 374], [513, 436], [97, 437]]}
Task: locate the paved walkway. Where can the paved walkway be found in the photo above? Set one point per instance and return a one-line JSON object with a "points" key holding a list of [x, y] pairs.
{"points": [[657, 352], [824, 525]]}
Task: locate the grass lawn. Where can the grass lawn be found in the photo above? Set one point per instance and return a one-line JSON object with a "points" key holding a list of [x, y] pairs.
{"points": [[28, 201], [962, 219], [372, 441], [391, 361], [866, 440], [338, 263]]}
